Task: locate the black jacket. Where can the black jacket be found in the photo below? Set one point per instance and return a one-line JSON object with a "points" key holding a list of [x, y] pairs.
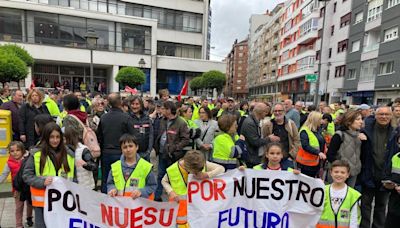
{"points": [[27, 114], [251, 130], [143, 132], [111, 127], [367, 151]]}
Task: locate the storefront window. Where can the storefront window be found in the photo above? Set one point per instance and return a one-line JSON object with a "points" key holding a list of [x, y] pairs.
{"points": [[10, 25]]}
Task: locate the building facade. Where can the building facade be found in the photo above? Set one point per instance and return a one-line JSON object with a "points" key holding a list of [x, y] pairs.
{"points": [[264, 84], [373, 62], [236, 71], [172, 37]]}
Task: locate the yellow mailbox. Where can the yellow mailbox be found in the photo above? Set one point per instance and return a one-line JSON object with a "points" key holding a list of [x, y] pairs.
{"points": [[5, 137]]}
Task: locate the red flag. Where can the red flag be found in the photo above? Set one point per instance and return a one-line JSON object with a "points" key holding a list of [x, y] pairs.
{"points": [[130, 90], [183, 90], [32, 85]]}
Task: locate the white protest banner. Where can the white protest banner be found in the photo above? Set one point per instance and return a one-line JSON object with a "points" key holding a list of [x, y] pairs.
{"points": [[68, 204], [254, 198]]}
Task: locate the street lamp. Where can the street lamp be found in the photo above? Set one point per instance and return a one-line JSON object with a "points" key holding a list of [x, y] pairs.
{"points": [[316, 94], [142, 65], [91, 44]]}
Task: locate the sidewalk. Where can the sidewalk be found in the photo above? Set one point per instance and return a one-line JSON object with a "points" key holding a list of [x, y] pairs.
{"points": [[7, 206]]}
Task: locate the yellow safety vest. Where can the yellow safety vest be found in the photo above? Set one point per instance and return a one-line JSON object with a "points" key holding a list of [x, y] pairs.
{"points": [[306, 158], [4, 100], [222, 146], [179, 186], [342, 219], [396, 164], [330, 128], [211, 106], [52, 107], [140, 173], [196, 114], [49, 171], [220, 111]]}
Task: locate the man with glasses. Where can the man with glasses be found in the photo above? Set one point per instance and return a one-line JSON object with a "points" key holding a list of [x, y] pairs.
{"points": [[376, 153], [285, 129]]}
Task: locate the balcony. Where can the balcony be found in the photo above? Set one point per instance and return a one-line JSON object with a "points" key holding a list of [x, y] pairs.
{"points": [[308, 37], [373, 23], [370, 52]]}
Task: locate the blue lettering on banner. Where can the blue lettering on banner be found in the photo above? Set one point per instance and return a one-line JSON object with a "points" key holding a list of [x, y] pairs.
{"points": [[227, 218], [79, 223]]}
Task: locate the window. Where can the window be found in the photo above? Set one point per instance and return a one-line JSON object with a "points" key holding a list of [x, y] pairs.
{"points": [[352, 74], [305, 63], [355, 46], [374, 10], [72, 31], [239, 75], [241, 48], [311, 24], [239, 81], [339, 71], [391, 34], [178, 50], [330, 53], [240, 68], [238, 87], [240, 54], [334, 7], [345, 20], [10, 24], [328, 72], [318, 55], [46, 28], [342, 46], [392, 3], [322, 12], [105, 30], [135, 39], [307, 10], [332, 30], [359, 17], [368, 70], [386, 68]]}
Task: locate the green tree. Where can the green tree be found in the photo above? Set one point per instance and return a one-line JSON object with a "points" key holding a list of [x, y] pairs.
{"points": [[130, 76], [196, 84], [214, 80], [19, 52], [12, 68]]}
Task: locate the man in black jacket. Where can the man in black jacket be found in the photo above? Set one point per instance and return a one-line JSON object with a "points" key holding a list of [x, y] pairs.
{"points": [[111, 127], [376, 153], [251, 130]]}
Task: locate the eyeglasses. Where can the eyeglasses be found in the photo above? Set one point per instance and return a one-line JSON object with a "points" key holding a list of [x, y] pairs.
{"points": [[101, 103]]}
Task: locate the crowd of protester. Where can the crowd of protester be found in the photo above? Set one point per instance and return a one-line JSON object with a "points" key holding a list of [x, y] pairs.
{"points": [[111, 139]]}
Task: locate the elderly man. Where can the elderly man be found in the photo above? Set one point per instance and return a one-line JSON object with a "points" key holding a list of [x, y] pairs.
{"points": [[287, 132], [251, 130], [365, 111], [292, 113], [13, 106], [376, 153]]}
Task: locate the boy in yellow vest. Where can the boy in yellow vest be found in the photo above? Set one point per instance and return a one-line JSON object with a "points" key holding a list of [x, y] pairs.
{"points": [[341, 207], [132, 176], [176, 179]]}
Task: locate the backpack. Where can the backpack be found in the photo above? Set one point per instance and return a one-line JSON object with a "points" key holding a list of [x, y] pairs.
{"points": [[89, 138], [19, 183]]}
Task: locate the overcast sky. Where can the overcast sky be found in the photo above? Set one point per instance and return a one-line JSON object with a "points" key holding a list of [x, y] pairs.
{"points": [[230, 20]]}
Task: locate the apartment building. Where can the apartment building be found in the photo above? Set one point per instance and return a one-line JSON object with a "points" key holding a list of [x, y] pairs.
{"points": [[264, 85], [236, 71], [172, 37], [373, 62], [335, 47], [264, 50], [299, 34]]}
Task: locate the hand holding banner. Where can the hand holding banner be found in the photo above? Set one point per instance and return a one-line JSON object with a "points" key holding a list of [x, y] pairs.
{"points": [[68, 204], [253, 198]]}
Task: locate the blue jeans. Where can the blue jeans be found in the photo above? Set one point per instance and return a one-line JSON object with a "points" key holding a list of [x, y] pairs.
{"points": [[163, 164], [106, 162]]}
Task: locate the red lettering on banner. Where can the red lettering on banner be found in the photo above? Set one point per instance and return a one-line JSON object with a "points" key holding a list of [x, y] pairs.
{"points": [[106, 213], [134, 218], [170, 216], [208, 189]]}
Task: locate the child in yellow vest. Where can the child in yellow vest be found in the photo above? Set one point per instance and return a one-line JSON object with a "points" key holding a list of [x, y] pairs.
{"points": [[176, 179], [132, 176], [341, 207]]}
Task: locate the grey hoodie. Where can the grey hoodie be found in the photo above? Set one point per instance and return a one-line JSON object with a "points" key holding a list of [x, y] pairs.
{"points": [[151, 183]]}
